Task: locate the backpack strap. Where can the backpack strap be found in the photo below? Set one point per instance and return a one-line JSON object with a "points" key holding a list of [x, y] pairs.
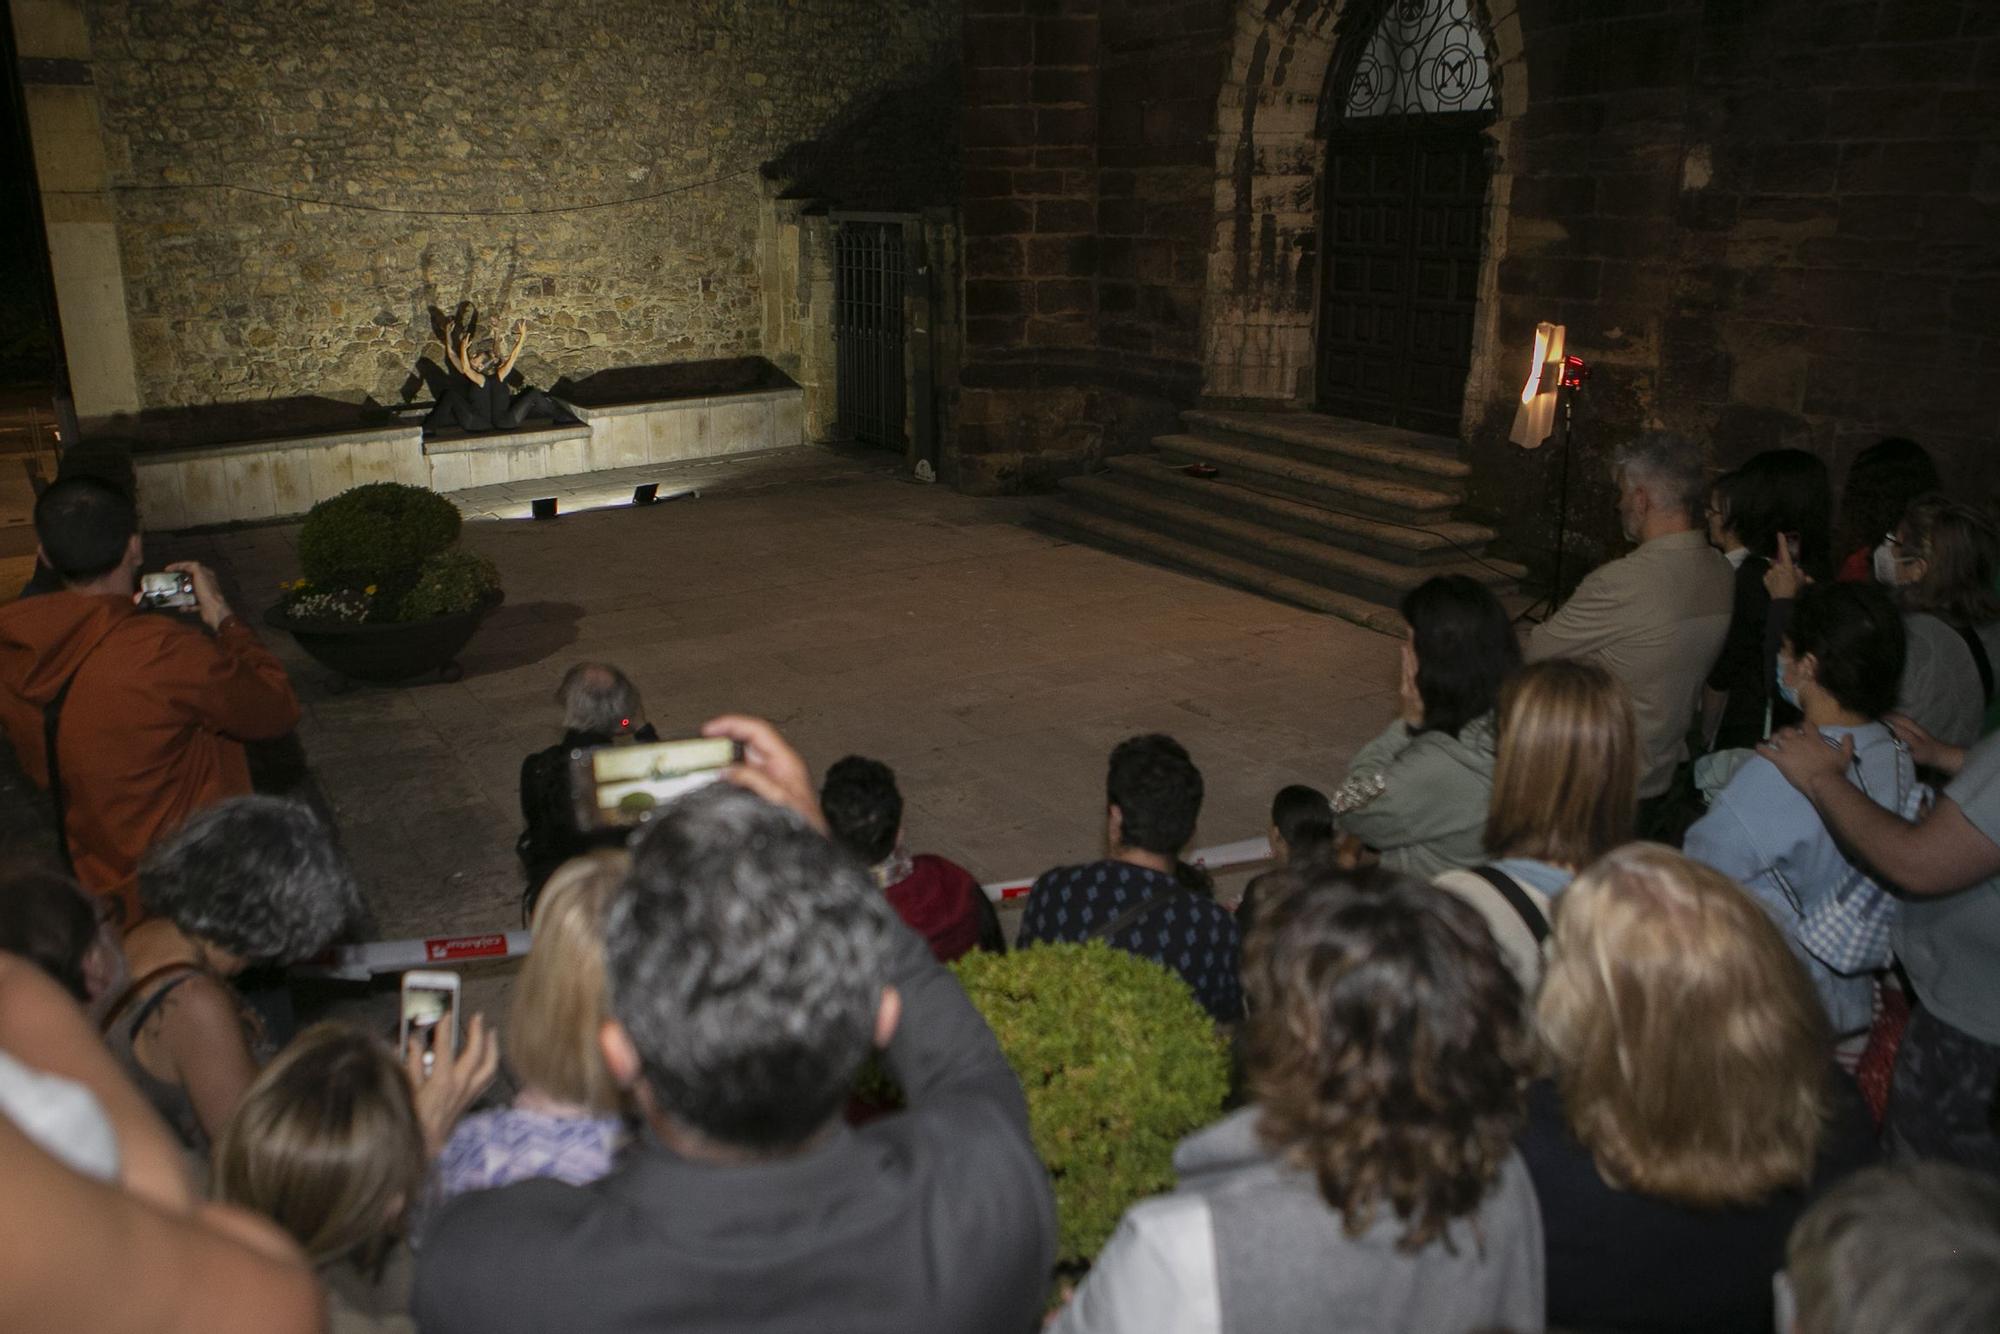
{"points": [[1980, 659], [1517, 898], [51, 724]]}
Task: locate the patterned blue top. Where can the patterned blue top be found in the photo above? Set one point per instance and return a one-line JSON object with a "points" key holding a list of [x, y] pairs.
{"points": [[510, 1144], [1189, 933]]}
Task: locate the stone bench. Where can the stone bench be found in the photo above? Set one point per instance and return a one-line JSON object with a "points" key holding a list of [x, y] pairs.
{"points": [[282, 478], [272, 479]]}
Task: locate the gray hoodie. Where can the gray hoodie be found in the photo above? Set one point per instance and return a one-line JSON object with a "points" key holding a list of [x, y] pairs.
{"points": [[1247, 1245]]}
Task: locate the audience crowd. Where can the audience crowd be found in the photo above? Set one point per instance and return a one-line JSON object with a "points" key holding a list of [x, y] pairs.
{"points": [[1642, 975]]}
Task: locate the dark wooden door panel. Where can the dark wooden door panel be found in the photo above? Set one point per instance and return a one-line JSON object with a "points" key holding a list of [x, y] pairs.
{"points": [[1404, 224]]}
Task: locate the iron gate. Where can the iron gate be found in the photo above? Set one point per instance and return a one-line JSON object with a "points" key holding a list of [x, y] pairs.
{"points": [[1405, 214], [868, 268]]}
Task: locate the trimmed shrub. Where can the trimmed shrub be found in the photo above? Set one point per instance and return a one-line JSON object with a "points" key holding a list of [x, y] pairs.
{"points": [[1118, 1062], [376, 535], [452, 581]]}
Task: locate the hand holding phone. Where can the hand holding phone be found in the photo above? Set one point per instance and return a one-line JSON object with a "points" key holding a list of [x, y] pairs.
{"points": [[446, 1082], [169, 589]]}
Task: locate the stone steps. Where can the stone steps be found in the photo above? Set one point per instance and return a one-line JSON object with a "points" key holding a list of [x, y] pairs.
{"points": [[1345, 517], [1148, 544], [1243, 496], [1362, 448], [1311, 559], [1316, 484]]}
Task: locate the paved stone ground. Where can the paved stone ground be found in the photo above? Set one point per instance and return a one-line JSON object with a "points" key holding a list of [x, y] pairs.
{"points": [[991, 665]]}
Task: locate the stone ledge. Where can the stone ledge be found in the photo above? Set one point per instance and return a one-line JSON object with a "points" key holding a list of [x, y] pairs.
{"points": [[502, 440]]}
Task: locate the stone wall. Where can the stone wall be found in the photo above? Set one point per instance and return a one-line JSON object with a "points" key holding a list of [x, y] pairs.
{"points": [[1089, 131], [359, 134], [1769, 225]]}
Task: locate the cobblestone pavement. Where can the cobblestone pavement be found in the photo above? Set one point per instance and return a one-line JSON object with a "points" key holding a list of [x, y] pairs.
{"points": [[993, 666]]}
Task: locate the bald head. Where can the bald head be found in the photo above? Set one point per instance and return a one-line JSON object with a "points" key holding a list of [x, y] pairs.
{"points": [[597, 697]]}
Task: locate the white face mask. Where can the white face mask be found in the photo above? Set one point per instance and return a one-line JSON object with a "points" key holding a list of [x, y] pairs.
{"points": [[1886, 565]]}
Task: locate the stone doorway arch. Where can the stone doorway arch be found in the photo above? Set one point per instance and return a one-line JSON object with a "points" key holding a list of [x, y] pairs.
{"points": [[1260, 314]]}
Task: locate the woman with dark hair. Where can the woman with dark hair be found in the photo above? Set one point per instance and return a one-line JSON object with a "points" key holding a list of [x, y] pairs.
{"points": [[1417, 793], [1780, 495], [1372, 1183], [1942, 560], [1881, 482], [254, 880], [1691, 1111], [1841, 660]]}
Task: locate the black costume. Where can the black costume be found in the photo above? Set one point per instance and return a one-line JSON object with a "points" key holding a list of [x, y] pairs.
{"points": [[487, 406]]}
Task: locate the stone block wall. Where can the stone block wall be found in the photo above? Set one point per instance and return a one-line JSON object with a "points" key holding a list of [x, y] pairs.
{"points": [[1089, 132], [387, 156], [1769, 225]]}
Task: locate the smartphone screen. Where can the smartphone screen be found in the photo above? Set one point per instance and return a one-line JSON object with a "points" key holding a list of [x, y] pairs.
{"points": [[430, 1015], [617, 786], [167, 588]]}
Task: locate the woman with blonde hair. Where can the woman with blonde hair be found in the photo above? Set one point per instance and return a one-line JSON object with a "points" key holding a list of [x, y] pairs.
{"points": [[566, 1121], [1565, 792], [332, 1142], [1692, 1110]]}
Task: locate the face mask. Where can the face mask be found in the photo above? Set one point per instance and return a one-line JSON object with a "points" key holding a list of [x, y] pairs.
{"points": [[1885, 564], [1785, 692]]}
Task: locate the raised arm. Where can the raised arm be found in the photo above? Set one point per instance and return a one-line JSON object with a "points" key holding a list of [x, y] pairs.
{"points": [[520, 337], [1941, 854]]}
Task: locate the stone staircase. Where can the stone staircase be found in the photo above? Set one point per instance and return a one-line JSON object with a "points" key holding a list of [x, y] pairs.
{"points": [[1337, 515]]}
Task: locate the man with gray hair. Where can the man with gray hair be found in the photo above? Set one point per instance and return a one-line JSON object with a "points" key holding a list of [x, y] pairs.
{"points": [[1912, 1248], [601, 707], [751, 967], [1655, 618]]}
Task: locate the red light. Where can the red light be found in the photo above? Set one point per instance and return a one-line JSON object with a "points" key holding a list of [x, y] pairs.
{"points": [[624, 723]]}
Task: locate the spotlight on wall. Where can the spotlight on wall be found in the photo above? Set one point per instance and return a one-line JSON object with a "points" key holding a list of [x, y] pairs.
{"points": [[647, 494], [545, 508]]}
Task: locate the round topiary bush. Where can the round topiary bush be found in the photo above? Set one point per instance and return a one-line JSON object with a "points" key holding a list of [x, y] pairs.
{"points": [[1118, 1062], [376, 536]]}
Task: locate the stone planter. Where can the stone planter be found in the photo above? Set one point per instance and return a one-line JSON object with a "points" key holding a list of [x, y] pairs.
{"points": [[386, 653]]}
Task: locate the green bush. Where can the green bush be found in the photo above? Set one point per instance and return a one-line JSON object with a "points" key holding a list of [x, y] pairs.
{"points": [[1118, 1062], [451, 581], [379, 536]]}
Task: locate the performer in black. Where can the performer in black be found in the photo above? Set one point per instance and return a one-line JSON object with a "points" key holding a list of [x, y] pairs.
{"points": [[476, 397]]}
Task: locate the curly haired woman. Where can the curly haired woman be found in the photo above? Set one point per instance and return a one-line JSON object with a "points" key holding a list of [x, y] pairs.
{"points": [[1373, 1181]]}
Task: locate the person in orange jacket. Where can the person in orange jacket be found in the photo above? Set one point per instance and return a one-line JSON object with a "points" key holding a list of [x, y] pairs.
{"points": [[144, 715]]}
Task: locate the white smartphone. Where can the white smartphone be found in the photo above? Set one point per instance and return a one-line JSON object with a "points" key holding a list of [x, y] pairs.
{"points": [[430, 1015]]}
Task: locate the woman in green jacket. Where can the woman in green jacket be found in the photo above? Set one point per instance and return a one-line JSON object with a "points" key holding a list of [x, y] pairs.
{"points": [[1417, 794]]}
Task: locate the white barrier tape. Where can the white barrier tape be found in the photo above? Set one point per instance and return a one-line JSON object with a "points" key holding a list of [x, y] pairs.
{"points": [[357, 963]]}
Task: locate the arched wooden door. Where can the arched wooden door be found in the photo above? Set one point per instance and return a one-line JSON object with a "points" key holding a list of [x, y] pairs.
{"points": [[1404, 217]]}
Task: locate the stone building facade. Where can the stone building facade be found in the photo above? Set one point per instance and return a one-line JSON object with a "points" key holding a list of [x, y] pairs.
{"points": [[1765, 224], [294, 186]]}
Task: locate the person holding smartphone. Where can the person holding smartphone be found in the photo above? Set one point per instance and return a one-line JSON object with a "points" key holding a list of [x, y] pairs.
{"points": [[131, 722]]}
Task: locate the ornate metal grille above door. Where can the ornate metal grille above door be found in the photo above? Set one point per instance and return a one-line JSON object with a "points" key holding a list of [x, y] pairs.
{"points": [[1404, 221], [868, 268]]}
